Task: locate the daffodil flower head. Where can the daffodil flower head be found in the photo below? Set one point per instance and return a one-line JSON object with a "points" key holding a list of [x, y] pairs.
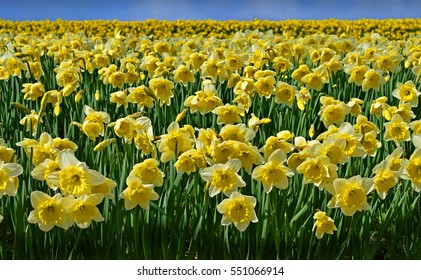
{"points": [[407, 93], [223, 177], [412, 170], [8, 176], [385, 178], [373, 79], [397, 130], [238, 209], [83, 210], [6, 153], [74, 177], [315, 170], [148, 171], [323, 224], [138, 193], [273, 173], [49, 211], [228, 114], [351, 194]]}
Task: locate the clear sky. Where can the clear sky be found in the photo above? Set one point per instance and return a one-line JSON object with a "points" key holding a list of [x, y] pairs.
{"points": [[208, 9]]}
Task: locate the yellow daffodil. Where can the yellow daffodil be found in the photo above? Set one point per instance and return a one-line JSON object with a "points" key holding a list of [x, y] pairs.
{"points": [[273, 173], [238, 209], [148, 171], [223, 177], [412, 170], [49, 211], [351, 194], [83, 210], [324, 224], [74, 177], [8, 178], [138, 193], [397, 130]]}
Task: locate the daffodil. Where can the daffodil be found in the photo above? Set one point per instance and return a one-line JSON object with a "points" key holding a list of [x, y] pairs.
{"points": [[397, 130], [105, 188], [74, 177], [49, 211], [228, 114], [138, 193], [163, 90], [373, 79], [237, 132], [248, 155], [315, 170], [324, 224], [238, 209], [8, 178], [273, 173], [351, 194], [43, 170], [223, 177], [385, 178], [6, 153], [83, 210], [412, 170], [174, 143], [148, 171], [407, 93]]}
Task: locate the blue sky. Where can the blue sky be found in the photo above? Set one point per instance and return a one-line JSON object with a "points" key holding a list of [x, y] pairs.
{"points": [[208, 9]]}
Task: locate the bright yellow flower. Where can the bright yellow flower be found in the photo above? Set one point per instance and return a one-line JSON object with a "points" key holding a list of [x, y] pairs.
{"points": [[315, 170], [333, 112], [83, 210], [93, 125], [274, 143], [228, 114], [254, 122], [363, 125], [174, 143], [6, 153], [183, 75], [31, 122], [353, 147], [324, 224], [300, 72], [237, 132], [351, 194], [138, 193], [162, 89], [397, 130], [265, 86], [238, 209], [285, 93], [189, 160], [373, 79], [74, 177], [355, 106], [141, 96], [49, 211], [247, 154], [385, 178], [43, 170], [412, 170], [223, 177], [332, 148], [105, 188], [205, 100], [407, 93], [378, 106], [315, 80], [8, 178], [120, 98], [148, 171], [273, 173], [33, 91], [356, 73]]}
